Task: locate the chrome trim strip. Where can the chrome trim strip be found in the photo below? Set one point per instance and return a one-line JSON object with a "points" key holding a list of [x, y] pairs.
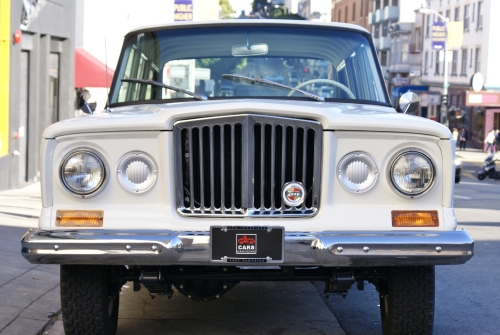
{"points": [[343, 249]]}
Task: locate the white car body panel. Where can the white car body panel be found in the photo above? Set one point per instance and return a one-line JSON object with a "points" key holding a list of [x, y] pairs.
{"points": [[122, 131]]}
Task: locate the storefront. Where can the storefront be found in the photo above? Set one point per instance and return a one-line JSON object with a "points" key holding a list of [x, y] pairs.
{"points": [[36, 81], [485, 114]]}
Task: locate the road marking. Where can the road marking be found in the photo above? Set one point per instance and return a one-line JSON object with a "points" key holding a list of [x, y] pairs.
{"points": [[481, 184], [460, 197]]}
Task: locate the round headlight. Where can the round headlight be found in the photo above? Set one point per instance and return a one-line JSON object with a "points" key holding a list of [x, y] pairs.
{"points": [[82, 172], [357, 172], [412, 173], [137, 172]]}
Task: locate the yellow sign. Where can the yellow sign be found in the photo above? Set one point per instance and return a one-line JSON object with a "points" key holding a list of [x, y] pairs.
{"points": [[455, 34], [5, 39]]}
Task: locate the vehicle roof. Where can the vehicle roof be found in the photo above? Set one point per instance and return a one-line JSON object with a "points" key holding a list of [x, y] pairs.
{"points": [[252, 22]]}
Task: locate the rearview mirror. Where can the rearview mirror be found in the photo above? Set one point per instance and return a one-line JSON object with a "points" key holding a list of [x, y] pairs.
{"points": [[243, 50]]}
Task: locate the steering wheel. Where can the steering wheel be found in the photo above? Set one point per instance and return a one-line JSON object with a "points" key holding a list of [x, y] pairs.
{"points": [[326, 81]]}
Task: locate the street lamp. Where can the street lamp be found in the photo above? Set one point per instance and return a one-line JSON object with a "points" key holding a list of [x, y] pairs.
{"points": [[444, 101]]}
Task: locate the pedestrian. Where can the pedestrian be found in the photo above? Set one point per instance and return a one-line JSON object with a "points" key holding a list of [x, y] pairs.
{"points": [[490, 141], [462, 138], [497, 138]]}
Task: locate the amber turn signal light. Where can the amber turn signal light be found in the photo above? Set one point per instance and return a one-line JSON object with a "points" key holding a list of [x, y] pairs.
{"points": [[415, 219], [79, 218]]}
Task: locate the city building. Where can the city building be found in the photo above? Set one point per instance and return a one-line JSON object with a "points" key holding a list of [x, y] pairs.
{"points": [[36, 81], [352, 11], [397, 35], [315, 10], [478, 112]]}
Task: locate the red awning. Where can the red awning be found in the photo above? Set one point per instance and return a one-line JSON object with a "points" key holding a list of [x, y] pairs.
{"points": [[89, 71]]}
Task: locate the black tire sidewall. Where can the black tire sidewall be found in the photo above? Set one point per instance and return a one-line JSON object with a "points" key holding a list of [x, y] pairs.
{"points": [[85, 298]]}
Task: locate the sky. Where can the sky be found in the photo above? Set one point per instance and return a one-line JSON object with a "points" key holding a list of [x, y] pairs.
{"points": [[239, 5]]}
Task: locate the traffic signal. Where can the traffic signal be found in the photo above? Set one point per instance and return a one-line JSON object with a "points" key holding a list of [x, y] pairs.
{"points": [[306, 70], [445, 99]]}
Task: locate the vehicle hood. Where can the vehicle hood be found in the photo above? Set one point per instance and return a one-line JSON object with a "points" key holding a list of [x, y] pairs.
{"points": [[332, 116]]}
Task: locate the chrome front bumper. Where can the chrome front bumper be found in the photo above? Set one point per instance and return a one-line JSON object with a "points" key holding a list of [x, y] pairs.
{"points": [[328, 248]]}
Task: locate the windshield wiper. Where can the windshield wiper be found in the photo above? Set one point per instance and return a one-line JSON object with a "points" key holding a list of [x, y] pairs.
{"points": [[155, 83], [253, 81]]}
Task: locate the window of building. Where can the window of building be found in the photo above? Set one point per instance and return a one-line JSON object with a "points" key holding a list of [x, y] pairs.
{"points": [[426, 59], [383, 58], [466, 17], [470, 60], [453, 99], [464, 63], [339, 18], [473, 9], [454, 63], [448, 13], [428, 26], [54, 86], [418, 40], [385, 29], [404, 52], [477, 68], [480, 15], [432, 55], [395, 3], [436, 70], [457, 14], [345, 14], [354, 11]]}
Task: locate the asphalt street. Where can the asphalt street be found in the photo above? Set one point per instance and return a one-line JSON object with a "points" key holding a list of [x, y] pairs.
{"points": [[467, 299]]}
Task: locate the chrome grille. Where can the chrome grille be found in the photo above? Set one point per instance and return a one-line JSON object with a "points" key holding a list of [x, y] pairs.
{"points": [[237, 165]]}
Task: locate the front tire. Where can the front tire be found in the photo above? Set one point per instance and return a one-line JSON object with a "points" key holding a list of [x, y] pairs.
{"points": [[407, 305], [481, 176], [89, 301]]}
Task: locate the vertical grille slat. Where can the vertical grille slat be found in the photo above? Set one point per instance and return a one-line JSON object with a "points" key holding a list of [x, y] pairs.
{"points": [[212, 185], [222, 175], [233, 172], [202, 180], [273, 164], [304, 164], [191, 179], [237, 165], [262, 160], [283, 161]]}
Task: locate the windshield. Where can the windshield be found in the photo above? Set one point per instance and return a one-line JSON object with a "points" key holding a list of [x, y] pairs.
{"points": [[335, 64]]}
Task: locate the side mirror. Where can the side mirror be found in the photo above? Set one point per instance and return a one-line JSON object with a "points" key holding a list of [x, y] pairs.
{"points": [[408, 102], [84, 105]]}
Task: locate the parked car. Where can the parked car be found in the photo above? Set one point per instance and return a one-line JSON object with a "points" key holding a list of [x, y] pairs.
{"points": [[159, 189]]}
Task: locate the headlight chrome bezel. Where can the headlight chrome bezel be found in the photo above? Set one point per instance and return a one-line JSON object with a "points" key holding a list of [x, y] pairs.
{"points": [[372, 172], [393, 161], [147, 160], [105, 168]]}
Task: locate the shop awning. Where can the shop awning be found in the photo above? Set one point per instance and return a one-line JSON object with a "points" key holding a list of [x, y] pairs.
{"points": [[89, 71], [400, 90]]}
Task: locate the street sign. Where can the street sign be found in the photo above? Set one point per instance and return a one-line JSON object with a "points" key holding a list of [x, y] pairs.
{"points": [[183, 10], [455, 34], [490, 99], [438, 35], [398, 81], [477, 82]]}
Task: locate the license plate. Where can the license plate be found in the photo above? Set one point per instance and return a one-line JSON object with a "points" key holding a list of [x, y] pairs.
{"points": [[247, 244]]}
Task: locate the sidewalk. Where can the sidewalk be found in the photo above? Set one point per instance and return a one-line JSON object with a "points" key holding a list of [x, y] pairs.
{"points": [[29, 293], [474, 155]]}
